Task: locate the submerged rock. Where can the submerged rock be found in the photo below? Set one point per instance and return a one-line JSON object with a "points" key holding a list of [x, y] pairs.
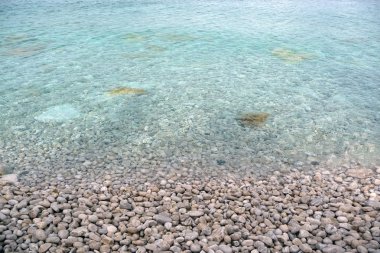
{"points": [[26, 51], [156, 48], [289, 55], [177, 37], [58, 113], [136, 37], [360, 172], [253, 119], [10, 178], [126, 90]]}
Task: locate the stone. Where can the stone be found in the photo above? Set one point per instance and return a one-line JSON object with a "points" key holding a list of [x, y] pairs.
{"points": [[361, 249], [93, 218], [126, 90], [218, 234], [162, 218], [63, 234], [191, 235], [53, 239], [124, 204], [316, 201], [333, 249], [40, 235], [58, 113], [290, 55], [92, 227], [306, 248], [265, 239], [111, 229], [195, 213], [303, 234], [360, 173], [253, 119], [294, 248], [105, 249], [247, 243], [168, 225], [44, 247], [225, 248], [9, 178], [195, 248], [342, 219]]}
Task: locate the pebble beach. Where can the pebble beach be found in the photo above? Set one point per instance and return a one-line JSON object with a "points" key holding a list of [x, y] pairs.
{"points": [[178, 211], [189, 126]]}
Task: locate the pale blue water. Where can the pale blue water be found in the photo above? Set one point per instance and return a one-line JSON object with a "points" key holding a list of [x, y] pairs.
{"points": [[312, 65]]}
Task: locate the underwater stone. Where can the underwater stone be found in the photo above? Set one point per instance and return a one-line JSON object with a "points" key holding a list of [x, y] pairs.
{"points": [[26, 51], [289, 55], [220, 162], [135, 37], [253, 119], [156, 48], [10, 178], [58, 113], [126, 90]]}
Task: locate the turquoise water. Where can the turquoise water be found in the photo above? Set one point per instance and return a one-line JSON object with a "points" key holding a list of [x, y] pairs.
{"points": [[313, 66]]}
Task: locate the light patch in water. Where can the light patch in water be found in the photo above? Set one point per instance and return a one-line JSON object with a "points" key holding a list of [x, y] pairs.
{"points": [[58, 113]]}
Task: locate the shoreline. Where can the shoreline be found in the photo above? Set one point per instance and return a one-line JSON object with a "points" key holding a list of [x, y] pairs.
{"points": [[288, 211]]}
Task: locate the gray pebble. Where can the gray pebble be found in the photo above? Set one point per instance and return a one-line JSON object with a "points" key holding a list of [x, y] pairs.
{"points": [[40, 235]]}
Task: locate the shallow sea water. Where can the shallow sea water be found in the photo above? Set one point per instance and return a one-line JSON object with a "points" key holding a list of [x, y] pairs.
{"points": [[313, 66]]}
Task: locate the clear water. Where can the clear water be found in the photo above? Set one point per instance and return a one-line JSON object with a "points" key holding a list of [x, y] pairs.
{"points": [[312, 65]]}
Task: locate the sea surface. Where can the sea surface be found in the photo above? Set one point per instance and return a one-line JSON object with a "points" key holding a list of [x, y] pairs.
{"points": [[194, 69]]}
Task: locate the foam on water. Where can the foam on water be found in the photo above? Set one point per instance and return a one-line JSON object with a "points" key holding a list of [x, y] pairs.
{"points": [[311, 66]]}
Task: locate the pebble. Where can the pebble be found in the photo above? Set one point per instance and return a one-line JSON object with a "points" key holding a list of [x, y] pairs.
{"points": [[162, 218], [63, 234], [195, 248], [40, 235], [189, 236], [195, 213], [333, 249], [225, 248], [289, 212], [44, 247]]}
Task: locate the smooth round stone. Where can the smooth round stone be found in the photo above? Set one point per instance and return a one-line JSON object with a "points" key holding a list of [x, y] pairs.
{"points": [[111, 229], [195, 213], [195, 248], [63, 234], [189, 236], [225, 248], [168, 225], [92, 227], [40, 235], [92, 218], [306, 248], [342, 219], [247, 243]]}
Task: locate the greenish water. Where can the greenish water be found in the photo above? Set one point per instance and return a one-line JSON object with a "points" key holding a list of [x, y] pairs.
{"points": [[311, 65]]}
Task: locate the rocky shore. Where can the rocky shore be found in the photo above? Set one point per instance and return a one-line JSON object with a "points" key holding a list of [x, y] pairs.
{"points": [[292, 211]]}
